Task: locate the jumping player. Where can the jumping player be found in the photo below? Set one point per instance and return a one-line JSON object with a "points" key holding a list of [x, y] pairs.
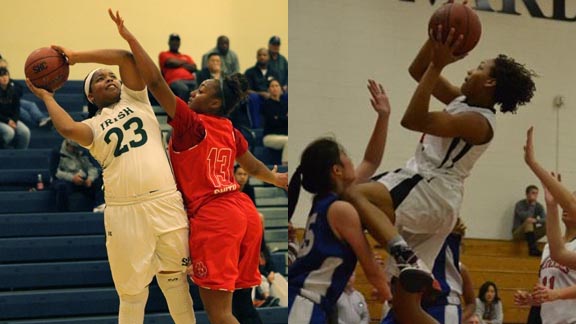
{"points": [[146, 225], [225, 228], [423, 198], [334, 239]]}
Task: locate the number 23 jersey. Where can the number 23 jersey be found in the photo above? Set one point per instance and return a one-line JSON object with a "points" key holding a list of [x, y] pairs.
{"points": [[128, 145]]}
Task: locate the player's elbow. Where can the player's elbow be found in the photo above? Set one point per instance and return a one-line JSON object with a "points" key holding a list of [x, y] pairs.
{"points": [[414, 72], [410, 123]]}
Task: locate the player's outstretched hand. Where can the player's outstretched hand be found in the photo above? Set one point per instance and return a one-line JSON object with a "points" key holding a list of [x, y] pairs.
{"points": [[443, 51], [68, 54], [523, 298], [281, 180], [529, 147], [542, 294], [122, 30], [379, 99]]}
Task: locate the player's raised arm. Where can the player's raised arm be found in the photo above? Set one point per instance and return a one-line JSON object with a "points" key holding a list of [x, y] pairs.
{"points": [[377, 144], [147, 68]]}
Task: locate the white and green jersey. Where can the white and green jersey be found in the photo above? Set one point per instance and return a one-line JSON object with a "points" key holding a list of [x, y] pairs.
{"points": [[128, 145]]}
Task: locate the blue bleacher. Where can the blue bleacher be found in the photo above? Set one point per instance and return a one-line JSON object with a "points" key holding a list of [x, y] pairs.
{"points": [[53, 265]]}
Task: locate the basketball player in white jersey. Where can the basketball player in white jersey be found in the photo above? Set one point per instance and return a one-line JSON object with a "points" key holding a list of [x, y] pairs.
{"points": [[146, 225], [423, 199], [556, 290]]}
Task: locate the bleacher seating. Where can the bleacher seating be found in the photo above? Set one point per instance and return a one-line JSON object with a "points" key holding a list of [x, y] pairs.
{"points": [[53, 266]]}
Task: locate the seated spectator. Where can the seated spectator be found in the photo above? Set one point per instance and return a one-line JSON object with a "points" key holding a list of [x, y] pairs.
{"points": [[242, 178], [352, 307], [260, 75], [212, 71], [274, 288], [230, 63], [529, 220], [76, 172], [178, 69], [275, 116], [13, 132], [488, 304], [30, 114], [278, 62], [473, 320]]}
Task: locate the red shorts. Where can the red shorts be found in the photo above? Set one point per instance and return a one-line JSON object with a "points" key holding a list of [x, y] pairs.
{"points": [[225, 238]]}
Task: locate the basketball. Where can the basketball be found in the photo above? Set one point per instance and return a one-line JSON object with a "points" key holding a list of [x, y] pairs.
{"points": [[46, 68], [463, 19]]}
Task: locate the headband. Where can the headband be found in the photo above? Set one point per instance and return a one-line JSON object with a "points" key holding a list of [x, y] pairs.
{"points": [[87, 83]]}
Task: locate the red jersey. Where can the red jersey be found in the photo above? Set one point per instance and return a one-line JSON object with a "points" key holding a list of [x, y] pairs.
{"points": [[175, 74], [203, 149]]}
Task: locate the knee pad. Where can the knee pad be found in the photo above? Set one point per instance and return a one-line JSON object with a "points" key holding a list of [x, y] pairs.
{"points": [[174, 286]]}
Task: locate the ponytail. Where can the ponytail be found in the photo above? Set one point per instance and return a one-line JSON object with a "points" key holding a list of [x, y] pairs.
{"points": [[294, 191]]}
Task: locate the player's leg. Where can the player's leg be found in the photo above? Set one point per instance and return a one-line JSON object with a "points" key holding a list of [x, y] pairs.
{"points": [[248, 261], [130, 245], [215, 237], [173, 256], [243, 308], [375, 206], [218, 306]]}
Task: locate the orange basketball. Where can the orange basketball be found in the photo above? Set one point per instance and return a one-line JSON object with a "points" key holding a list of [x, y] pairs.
{"points": [[46, 68], [463, 19]]}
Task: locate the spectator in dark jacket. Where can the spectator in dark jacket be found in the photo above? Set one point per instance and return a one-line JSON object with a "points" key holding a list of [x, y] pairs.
{"points": [[12, 131], [275, 115], [529, 220]]}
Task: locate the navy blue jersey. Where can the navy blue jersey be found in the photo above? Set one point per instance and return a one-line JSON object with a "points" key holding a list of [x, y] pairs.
{"points": [[324, 263]]}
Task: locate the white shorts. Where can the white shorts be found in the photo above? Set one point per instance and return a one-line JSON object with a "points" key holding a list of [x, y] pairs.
{"points": [[426, 211], [145, 238]]}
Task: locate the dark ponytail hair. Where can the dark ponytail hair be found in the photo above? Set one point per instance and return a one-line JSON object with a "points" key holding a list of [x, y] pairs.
{"points": [[314, 171], [233, 90]]}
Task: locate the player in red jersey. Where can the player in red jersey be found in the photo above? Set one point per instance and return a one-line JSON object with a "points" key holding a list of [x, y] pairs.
{"points": [[225, 229]]}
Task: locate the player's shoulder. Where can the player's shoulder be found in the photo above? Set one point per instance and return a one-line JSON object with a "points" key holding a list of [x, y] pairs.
{"points": [[342, 211]]}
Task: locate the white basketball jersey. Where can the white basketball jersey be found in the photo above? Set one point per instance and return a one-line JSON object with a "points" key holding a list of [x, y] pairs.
{"points": [[556, 276], [450, 158], [128, 145]]}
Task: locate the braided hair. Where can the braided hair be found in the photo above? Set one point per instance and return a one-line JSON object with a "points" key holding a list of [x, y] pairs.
{"points": [[233, 90]]}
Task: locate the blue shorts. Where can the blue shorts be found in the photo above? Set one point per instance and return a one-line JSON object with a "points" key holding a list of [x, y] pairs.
{"points": [[444, 314]]}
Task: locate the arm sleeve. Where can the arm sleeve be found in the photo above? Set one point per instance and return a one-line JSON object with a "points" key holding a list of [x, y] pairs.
{"points": [[188, 128], [91, 170], [162, 57], [520, 214], [542, 211], [479, 308], [63, 175], [499, 314]]}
